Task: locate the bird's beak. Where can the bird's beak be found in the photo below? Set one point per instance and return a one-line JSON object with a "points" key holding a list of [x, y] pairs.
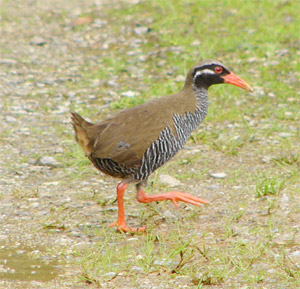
{"points": [[237, 81]]}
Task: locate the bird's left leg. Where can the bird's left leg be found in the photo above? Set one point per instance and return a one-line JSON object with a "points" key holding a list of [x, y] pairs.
{"points": [[173, 196]]}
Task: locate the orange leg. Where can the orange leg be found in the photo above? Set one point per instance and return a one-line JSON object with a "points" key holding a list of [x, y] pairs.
{"points": [[172, 196], [121, 223]]}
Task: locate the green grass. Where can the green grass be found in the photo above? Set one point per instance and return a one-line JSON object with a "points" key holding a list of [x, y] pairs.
{"points": [[269, 186]]}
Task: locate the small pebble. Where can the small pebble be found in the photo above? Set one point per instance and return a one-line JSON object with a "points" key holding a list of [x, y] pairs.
{"points": [[110, 274], [136, 268], [271, 94], [169, 215], [142, 58], [295, 254], [259, 92], [10, 119], [132, 239], [282, 52], [37, 40], [252, 59], [271, 63], [159, 262], [161, 63], [8, 61], [218, 175], [128, 93], [196, 43], [35, 205], [266, 159], [179, 78], [133, 2], [142, 30], [99, 23], [48, 161], [213, 187], [285, 134]]}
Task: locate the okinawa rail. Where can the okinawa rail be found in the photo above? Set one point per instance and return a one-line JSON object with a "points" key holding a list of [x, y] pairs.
{"points": [[134, 142]]}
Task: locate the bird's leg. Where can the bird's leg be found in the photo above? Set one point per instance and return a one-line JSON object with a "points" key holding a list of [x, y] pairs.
{"points": [[173, 196], [121, 223]]}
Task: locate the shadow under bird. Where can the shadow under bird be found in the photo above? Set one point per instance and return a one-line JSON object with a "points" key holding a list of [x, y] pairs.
{"points": [[134, 142]]}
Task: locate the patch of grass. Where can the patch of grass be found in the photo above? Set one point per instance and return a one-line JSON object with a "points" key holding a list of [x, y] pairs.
{"points": [[75, 158], [288, 159], [268, 186]]}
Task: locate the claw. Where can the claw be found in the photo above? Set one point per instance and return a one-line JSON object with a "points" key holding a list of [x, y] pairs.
{"points": [[124, 228]]}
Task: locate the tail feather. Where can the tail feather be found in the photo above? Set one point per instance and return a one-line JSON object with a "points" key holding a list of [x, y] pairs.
{"points": [[81, 126]]}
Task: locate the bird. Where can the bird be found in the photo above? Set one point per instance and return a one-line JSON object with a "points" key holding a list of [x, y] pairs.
{"points": [[134, 142]]}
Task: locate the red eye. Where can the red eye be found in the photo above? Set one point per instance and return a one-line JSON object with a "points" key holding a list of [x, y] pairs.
{"points": [[218, 69]]}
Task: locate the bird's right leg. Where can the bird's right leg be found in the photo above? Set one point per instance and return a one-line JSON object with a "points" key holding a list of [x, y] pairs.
{"points": [[121, 223]]}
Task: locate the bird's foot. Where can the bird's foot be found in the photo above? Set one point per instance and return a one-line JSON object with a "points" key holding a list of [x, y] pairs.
{"points": [[176, 197], [124, 228], [173, 196]]}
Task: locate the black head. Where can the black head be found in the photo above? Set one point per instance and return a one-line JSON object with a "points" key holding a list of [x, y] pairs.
{"points": [[209, 72]]}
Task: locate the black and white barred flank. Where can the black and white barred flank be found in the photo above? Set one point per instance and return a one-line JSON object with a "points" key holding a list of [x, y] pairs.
{"points": [[113, 168], [164, 148], [167, 145]]}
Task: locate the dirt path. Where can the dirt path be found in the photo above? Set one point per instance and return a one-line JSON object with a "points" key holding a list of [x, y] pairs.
{"points": [[40, 54]]}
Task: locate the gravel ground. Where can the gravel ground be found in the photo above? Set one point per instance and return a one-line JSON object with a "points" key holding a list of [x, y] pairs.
{"points": [[46, 48], [41, 53]]}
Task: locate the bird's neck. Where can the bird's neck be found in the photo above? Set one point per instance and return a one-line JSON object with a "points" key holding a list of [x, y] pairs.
{"points": [[201, 102], [187, 122]]}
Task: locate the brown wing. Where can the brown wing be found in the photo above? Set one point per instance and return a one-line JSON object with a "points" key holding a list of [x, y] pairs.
{"points": [[129, 133], [125, 136]]}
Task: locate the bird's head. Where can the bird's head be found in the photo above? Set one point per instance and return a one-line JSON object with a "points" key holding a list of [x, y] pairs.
{"points": [[209, 72]]}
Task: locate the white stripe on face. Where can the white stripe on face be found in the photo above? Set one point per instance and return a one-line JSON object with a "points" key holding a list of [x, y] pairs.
{"points": [[205, 71]]}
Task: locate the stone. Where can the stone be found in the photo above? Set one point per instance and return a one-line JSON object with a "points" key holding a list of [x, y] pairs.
{"points": [[252, 59], [196, 43], [281, 52], [285, 134], [48, 161], [8, 61], [272, 95], [179, 78], [284, 201], [133, 2], [266, 159], [169, 215], [141, 30], [61, 110], [136, 269], [295, 254], [128, 93], [37, 40], [213, 187], [218, 175], [110, 274], [10, 119]]}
